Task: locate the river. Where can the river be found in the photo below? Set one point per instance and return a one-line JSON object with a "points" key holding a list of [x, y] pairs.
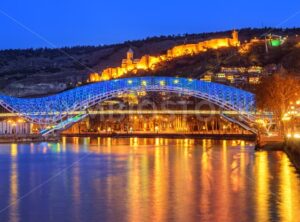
{"points": [[82, 179]]}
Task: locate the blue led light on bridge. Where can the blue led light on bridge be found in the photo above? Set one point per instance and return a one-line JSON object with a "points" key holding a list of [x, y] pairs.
{"points": [[55, 108]]}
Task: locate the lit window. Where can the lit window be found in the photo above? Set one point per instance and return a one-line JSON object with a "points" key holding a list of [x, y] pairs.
{"points": [[221, 75]]}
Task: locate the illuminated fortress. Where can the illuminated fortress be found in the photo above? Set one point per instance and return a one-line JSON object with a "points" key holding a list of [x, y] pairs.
{"points": [[148, 62]]}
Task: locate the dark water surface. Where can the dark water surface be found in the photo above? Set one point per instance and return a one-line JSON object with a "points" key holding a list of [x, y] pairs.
{"points": [[146, 180]]}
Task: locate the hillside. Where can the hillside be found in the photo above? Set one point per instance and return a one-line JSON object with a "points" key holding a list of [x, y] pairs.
{"points": [[35, 72]]}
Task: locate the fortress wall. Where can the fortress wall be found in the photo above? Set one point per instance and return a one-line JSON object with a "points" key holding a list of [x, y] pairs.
{"points": [[149, 62]]}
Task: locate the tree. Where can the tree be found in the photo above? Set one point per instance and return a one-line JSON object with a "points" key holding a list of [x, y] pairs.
{"points": [[275, 93]]}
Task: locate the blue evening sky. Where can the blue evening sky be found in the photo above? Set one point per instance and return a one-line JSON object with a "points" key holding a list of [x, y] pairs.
{"points": [[49, 23]]}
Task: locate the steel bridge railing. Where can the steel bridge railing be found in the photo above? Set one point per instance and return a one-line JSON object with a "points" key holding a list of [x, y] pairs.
{"points": [[53, 109]]}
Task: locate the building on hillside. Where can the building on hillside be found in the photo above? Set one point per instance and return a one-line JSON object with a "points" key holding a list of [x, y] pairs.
{"points": [[191, 49], [239, 76], [148, 62], [248, 45], [253, 80]]}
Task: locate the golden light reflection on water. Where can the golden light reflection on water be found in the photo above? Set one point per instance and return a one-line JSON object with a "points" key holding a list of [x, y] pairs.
{"points": [[160, 187], [134, 192], [223, 200], [174, 179], [286, 203], [64, 144], [262, 193], [14, 150], [14, 185], [75, 142], [206, 181], [289, 192]]}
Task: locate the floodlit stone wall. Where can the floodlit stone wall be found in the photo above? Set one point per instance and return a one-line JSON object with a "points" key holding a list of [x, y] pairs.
{"points": [[148, 62]]}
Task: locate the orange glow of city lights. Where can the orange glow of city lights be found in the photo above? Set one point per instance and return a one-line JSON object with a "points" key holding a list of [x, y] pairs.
{"points": [[148, 62]]}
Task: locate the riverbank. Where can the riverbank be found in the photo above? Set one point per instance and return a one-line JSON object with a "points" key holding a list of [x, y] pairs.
{"points": [[292, 148], [270, 143], [249, 137], [56, 138], [28, 138]]}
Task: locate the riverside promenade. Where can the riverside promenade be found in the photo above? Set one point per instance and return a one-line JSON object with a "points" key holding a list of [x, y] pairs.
{"points": [[28, 138]]}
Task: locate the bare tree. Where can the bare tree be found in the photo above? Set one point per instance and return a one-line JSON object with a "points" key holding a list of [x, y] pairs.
{"points": [[275, 93]]}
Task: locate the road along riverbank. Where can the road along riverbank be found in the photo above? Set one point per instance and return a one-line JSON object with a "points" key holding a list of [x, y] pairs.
{"points": [[28, 138]]}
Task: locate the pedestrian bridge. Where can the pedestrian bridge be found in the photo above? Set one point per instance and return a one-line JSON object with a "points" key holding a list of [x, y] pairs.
{"points": [[55, 111]]}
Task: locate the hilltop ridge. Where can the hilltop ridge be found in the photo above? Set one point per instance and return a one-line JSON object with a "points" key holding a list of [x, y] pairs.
{"points": [[35, 72]]}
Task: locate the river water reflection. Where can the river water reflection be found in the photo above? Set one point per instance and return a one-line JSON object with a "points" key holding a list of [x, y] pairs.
{"points": [[83, 179]]}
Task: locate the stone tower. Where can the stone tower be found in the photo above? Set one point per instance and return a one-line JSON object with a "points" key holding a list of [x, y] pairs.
{"points": [[235, 37], [130, 54]]}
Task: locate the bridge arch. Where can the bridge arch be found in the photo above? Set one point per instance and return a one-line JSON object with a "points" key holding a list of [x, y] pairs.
{"points": [[54, 108]]}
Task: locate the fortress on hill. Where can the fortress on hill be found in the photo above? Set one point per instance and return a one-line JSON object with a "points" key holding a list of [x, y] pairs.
{"points": [[148, 62]]}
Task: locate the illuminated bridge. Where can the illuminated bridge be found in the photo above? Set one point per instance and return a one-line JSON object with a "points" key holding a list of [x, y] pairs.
{"points": [[57, 112]]}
